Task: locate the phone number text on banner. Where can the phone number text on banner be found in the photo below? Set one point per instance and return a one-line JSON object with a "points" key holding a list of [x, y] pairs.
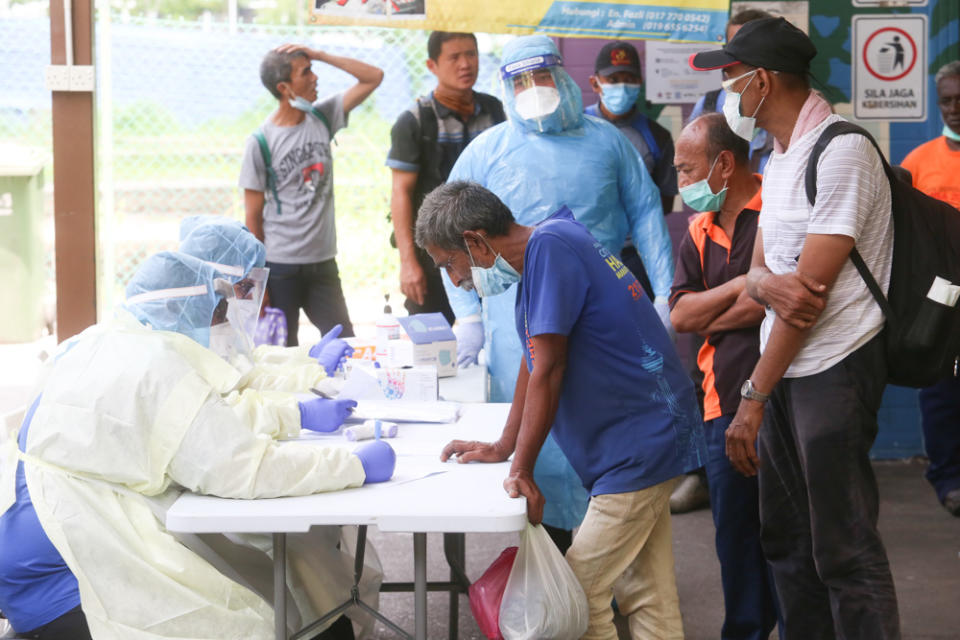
{"points": [[692, 21]]}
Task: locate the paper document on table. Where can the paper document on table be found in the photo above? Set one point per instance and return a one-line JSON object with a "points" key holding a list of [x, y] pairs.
{"points": [[410, 469], [361, 385], [404, 411]]}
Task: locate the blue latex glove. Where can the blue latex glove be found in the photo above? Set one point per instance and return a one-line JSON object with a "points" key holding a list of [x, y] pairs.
{"points": [[378, 460], [469, 342], [663, 312], [331, 352], [323, 414]]}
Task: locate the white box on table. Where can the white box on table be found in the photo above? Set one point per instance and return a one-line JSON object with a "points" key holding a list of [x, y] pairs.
{"points": [[428, 340]]}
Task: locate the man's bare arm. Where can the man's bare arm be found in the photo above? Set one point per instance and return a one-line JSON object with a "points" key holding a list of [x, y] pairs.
{"points": [[474, 451], [743, 313], [413, 281], [797, 297], [820, 260], [253, 209], [695, 310]]}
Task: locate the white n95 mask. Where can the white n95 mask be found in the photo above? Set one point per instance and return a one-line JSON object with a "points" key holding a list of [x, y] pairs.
{"points": [[537, 102], [743, 126]]}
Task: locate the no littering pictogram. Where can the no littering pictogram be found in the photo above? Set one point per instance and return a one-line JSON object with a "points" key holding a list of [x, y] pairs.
{"points": [[892, 57]]}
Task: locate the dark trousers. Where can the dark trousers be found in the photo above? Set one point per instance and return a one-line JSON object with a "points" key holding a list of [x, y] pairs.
{"points": [[749, 598], [436, 299], [70, 626], [940, 410], [313, 287], [819, 502]]}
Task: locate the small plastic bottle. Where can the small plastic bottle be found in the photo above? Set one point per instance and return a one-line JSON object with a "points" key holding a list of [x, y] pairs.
{"points": [[387, 329]]}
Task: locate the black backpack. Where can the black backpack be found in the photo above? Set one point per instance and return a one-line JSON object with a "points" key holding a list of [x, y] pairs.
{"points": [[922, 336]]}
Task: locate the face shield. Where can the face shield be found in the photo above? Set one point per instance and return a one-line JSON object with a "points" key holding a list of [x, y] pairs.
{"points": [[234, 321], [533, 87]]}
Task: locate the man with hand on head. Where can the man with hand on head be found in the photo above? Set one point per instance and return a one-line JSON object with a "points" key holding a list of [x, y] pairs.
{"points": [[813, 396], [426, 141], [600, 373], [710, 298], [287, 178]]}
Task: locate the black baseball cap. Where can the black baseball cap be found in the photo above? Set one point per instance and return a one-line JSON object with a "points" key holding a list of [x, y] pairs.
{"points": [[770, 43], [617, 56]]}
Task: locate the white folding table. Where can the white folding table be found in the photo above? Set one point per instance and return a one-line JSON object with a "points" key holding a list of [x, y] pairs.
{"points": [[456, 499]]}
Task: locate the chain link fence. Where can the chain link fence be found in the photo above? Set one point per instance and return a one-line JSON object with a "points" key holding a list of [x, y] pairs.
{"points": [[175, 102]]}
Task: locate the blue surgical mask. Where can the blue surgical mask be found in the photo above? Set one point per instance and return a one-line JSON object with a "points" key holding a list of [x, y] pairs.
{"points": [[619, 98], [950, 133], [743, 126], [494, 280], [302, 104], [700, 197]]}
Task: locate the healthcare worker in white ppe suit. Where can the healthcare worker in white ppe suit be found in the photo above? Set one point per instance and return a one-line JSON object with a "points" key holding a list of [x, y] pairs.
{"points": [[546, 155], [239, 257], [132, 412]]}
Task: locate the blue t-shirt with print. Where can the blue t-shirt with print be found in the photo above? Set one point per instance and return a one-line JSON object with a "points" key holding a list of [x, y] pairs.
{"points": [[627, 417], [36, 585]]}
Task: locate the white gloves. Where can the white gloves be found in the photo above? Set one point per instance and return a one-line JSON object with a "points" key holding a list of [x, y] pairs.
{"points": [[469, 332], [662, 307]]}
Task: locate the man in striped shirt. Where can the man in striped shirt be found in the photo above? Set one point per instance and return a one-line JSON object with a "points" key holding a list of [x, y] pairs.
{"points": [[822, 365]]}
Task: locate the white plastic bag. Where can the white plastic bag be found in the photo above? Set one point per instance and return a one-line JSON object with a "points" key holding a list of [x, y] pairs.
{"points": [[543, 598]]}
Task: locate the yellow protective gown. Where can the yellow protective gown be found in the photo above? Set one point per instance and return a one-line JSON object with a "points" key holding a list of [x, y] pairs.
{"points": [[129, 416]]}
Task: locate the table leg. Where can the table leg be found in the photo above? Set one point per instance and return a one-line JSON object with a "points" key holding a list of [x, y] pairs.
{"points": [[420, 584], [454, 548], [280, 586]]}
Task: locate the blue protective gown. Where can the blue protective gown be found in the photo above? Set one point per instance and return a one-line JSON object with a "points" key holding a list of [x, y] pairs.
{"points": [[535, 168]]}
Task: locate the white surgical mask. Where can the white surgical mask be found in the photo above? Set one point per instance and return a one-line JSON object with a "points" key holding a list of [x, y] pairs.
{"points": [[743, 126], [537, 102]]}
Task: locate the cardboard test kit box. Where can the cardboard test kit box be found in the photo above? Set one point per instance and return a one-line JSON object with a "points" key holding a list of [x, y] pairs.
{"points": [[428, 341]]}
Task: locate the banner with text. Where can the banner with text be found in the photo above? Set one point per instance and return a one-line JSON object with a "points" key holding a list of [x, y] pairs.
{"points": [[694, 21]]}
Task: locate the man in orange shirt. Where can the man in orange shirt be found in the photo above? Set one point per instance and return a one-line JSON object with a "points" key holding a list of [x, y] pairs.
{"points": [[709, 297], [935, 167]]}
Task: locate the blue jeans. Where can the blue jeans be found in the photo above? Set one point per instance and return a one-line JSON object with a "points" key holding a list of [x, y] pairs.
{"points": [[749, 598], [315, 288], [940, 409]]}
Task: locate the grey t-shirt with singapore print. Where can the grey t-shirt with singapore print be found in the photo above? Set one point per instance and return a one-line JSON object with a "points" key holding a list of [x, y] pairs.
{"points": [[304, 230]]}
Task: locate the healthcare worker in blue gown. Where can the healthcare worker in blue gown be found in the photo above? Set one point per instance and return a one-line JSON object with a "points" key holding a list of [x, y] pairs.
{"points": [[546, 155]]}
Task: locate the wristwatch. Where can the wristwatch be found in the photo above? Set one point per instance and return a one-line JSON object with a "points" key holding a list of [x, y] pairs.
{"points": [[750, 393]]}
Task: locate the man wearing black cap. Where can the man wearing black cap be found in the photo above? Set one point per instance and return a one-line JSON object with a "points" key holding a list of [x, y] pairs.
{"points": [[817, 386], [616, 79]]}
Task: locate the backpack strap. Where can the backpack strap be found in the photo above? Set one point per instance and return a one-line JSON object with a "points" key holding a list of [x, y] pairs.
{"points": [[710, 99], [323, 119], [840, 128], [268, 163], [429, 133]]}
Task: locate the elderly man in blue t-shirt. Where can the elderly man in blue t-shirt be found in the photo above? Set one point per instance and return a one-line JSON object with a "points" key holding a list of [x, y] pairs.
{"points": [[601, 371]]}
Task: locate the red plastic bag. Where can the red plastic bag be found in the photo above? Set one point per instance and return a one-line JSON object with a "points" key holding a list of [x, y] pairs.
{"points": [[487, 592]]}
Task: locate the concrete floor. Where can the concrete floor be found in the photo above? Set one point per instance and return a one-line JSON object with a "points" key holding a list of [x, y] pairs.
{"points": [[923, 543]]}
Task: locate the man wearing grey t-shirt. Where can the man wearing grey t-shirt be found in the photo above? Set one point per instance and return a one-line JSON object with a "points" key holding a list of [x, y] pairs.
{"points": [[287, 178]]}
